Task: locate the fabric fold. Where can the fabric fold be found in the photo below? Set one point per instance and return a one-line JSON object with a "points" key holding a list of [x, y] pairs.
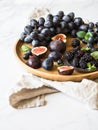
{"points": [[30, 91]]}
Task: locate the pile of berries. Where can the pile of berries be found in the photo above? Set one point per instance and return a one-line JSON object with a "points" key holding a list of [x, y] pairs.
{"points": [[79, 57]]}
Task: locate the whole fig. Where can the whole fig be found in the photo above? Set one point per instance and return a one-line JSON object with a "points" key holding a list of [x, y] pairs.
{"points": [[57, 45], [34, 62]]}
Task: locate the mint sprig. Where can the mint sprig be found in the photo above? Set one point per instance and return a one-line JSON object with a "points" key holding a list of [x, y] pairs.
{"points": [[81, 34], [88, 35], [25, 48], [91, 67], [86, 48], [94, 55], [84, 35]]}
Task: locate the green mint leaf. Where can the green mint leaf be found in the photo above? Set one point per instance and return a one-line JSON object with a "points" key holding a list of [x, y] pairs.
{"points": [[94, 55], [91, 67], [81, 34], [88, 34], [61, 64], [25, 48], [85, 48]]}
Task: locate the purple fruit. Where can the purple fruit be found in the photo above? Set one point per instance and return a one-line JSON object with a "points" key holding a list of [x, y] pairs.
{"points": [[55, 55], [57, 45], [34, 62]]}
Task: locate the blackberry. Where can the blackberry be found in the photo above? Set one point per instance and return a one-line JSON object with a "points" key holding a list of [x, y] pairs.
{"points": [[69, 55], [87, 57], [79, 54], [75, 43], [75, 62], [94, 62], [94, 49], [82, 63]]}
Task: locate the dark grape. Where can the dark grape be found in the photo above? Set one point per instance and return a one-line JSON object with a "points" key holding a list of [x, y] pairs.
{"points": [[60, 14], [67, 18], [48, 24], [96, 24], [47, 64], [56, 20], [55, 55], [72, 15], [41, 37], [48, 38], [28, 39], [58, 30], [44, 43], [91, 25], [35, 43], [41, 21], [73, 33], [29, 52], [60, 62], [96, 29], [71, 25], [91, 40], [63, 24], [78, 21], [26, 56], [28, 29], [83, 27], [33, 23], [49, 17], [40, 28], [96, 39], [46, 32], [52, 29], [34, 35], [22, 36]]}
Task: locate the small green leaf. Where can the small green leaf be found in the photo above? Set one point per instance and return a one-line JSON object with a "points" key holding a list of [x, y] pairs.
{"points": [[95, 55], [25, 48], [85, 48], [81, 34], [91, 67], [61, 64], [88, 34]]}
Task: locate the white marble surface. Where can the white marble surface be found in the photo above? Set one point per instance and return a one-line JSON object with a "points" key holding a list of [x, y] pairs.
{"points": [[61, 112]]}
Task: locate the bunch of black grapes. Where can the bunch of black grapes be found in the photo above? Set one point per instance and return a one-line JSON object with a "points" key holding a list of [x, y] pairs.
{"points": [[39, 32]]}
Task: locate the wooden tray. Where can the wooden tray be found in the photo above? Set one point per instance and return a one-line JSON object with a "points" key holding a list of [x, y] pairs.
{"points": [[52, 75]]}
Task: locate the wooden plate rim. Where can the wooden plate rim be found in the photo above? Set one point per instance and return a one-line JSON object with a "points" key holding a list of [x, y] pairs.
{"points": [[55, 77]]}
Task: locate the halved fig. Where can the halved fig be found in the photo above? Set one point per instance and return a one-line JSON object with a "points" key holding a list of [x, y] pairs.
{"points": [[60, 36], [39, 51], [65, 70]]}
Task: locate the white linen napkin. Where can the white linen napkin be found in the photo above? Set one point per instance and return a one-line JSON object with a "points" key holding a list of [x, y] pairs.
{"points": [[30, 90]]}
